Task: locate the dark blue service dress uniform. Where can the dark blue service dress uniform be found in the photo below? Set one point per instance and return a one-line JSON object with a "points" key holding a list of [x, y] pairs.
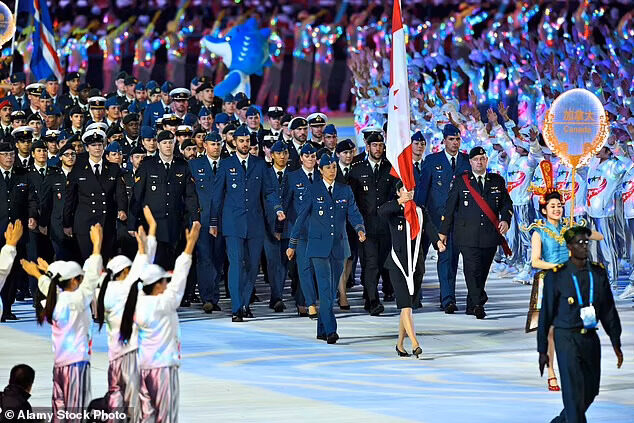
{"points": [[325, 214], [578, 349], [239, 201], [432, 191]]}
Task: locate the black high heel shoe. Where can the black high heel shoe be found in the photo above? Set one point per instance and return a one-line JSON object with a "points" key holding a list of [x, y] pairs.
{"points": [[418, 351], [343, 307], [401, 353]]}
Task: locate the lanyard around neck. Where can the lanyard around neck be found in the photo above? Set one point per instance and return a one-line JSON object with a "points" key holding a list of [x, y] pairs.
{"points": [[574, 279]]}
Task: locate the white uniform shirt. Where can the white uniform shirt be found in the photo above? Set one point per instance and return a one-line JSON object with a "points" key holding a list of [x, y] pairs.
{"points": [[157, 320]]}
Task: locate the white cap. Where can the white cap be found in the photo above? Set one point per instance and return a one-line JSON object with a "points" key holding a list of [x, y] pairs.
{"points": [[97, 98], [152, 273], [52, 132], [118, 263], [35, 86], [184, 128], [177, 91], [21, 129], [97, 125], [93, 132], [65, 269]]}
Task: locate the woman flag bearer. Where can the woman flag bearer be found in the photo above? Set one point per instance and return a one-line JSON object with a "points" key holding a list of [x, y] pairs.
{"points": [[154, 312], [407, 278], [121, 273], [68, 311]]}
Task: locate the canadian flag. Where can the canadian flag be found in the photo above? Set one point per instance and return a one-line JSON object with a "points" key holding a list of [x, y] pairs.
{"points": [[398, 144]]}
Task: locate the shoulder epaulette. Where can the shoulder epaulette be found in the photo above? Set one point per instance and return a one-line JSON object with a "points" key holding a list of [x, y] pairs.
{"points": [[596, 263], [353, 164]]}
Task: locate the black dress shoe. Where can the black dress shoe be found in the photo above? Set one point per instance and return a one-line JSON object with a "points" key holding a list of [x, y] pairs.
{"points": [[9, 316], [185, 303], [302, 313], [279, 306], [246, 312], [418, 304], [208, 308], [216, 307], [470, 312], [478, 311], [332, 338], [388, 298], [322, 337], [401, 353], [451, 308], [237, 318], [377, 309]]}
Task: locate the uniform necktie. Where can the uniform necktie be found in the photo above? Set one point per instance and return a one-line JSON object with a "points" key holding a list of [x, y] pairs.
{"points": [[330, 191], [214, 166], [167, 167], [97, 174], [167, 110], [376, 171], [25, 162], [244, 165], [481, 184], [417, 166], [310, 177], [453, 163], [7, 176], [42, 171], [345, 172], [280, 174], [19, 103]]}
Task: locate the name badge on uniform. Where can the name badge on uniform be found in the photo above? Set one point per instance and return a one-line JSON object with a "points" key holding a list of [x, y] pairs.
{"points": [[153, 176]]}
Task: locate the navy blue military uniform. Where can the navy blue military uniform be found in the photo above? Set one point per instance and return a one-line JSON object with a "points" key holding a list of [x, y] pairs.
{"points": [[239, 201], [325, 214], [432, 191], [91, 200], [171, 195], [210, 250], [474, 236], [578, 349], [52, 211]]}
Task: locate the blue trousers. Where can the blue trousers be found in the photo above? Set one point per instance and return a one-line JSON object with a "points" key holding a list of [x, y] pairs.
{"points": [[244, 260], [306, 274], [447, 268], [328, 271], [276, 264], [210, 255]]}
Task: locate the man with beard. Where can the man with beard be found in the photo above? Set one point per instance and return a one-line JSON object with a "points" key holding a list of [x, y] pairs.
{"points": [[179, 105], [299, 130]]}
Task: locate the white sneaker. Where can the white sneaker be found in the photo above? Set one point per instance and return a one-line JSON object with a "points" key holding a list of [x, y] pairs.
{"points": [[628, 292]]}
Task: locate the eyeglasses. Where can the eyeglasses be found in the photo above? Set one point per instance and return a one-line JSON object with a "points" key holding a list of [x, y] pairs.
{"points": [[69, 155], [7, 154]]}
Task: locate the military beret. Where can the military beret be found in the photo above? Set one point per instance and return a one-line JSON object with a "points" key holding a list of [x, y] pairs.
{"points": [[240, 96], [204, 86], [229, 98], [130, 117], [200, 130], [137, 149], [308, 149], [33, 117], [17, 114], [476, 151], [330, 129], [180, 94], [279, 146], [5, 147], [94, 92], [213, 136], [72, 75], [114, 130], [242, 131], [571, 233], [121, 75], [93, 136], [140, 86], [112, 102], [345, 145], [130, 80], [18, 77], [75, 110], [222, 118], [165, 135], [39, 144], [65, 148], [374, 137], [286, 119], [188, 142], [450, 130], [230, 127], [298, 123], [167, 87], [252, 111], [84, 86], [275, 112], [113, 147], [5, 103], [147, 132], [418, 136], [317, 119], [204, 112], [326, 159], [52, 110], [244, 103]]}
